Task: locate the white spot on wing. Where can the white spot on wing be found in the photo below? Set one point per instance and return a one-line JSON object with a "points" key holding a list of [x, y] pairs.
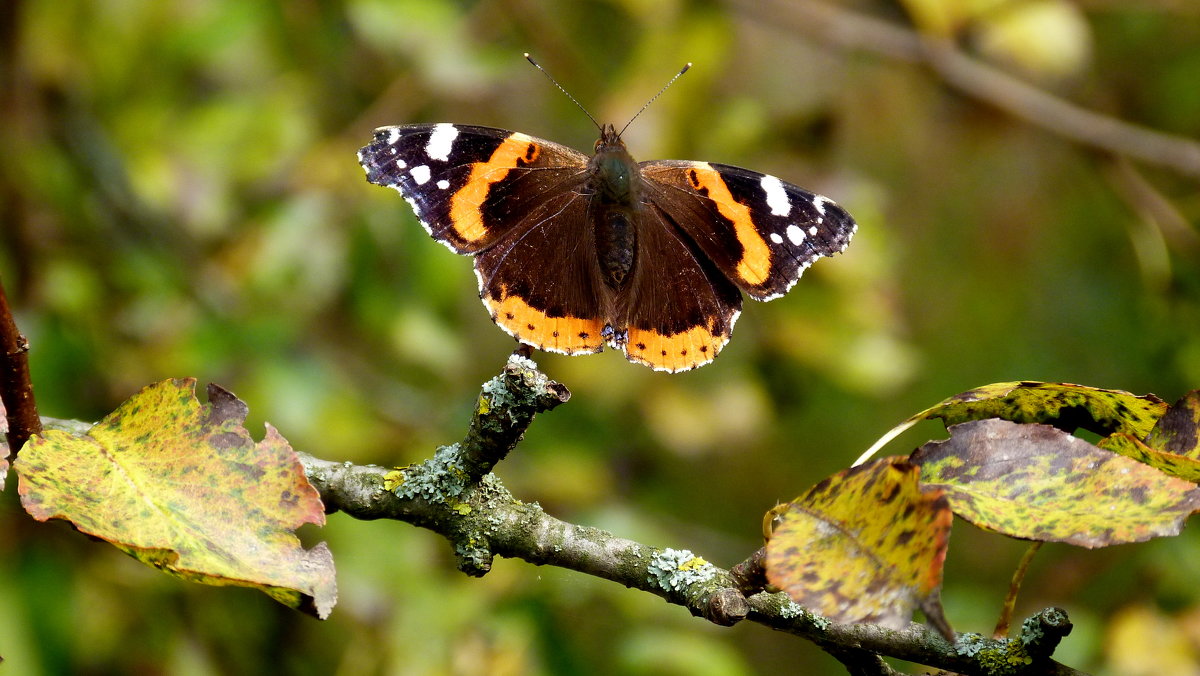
{"points": [[812, 229], [777, 197], [420, 174], [401, 164], [393, 135], [819, 202], [443, 184], [776, 238], [441, 141], [795, 235]]}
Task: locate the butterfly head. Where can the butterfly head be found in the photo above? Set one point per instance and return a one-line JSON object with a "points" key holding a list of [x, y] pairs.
{"points": [[613, 171], [609, 141]]}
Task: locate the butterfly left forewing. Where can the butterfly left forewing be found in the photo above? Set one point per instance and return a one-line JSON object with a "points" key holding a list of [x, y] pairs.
{"points": [[760, 231]]}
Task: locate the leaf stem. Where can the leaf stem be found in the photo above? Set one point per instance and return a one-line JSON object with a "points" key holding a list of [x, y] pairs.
{"points": [[1014, 587]]}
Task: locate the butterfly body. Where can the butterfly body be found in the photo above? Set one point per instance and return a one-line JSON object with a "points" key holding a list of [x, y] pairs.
{"points": [[575, 252], [614, 188]]}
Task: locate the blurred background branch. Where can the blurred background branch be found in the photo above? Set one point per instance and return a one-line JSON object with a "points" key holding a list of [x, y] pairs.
{"points": [[842, 28]]}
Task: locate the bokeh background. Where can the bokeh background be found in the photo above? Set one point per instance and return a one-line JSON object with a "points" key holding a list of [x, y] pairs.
{"points": [[179, 196]]}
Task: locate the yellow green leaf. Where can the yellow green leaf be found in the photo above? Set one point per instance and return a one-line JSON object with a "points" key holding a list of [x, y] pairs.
{"points": [[864, 545], [1066, 406], [1039, 483], [183, 487], [1176, 465]]}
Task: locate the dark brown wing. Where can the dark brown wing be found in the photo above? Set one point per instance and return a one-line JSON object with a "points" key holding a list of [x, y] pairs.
{"points": [[541, 279], [679, 309]]}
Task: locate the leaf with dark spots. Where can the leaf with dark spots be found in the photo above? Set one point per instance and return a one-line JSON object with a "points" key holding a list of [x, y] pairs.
{"points": [[1178, 431], [182, 486], [1063, 405], [865, 545], [1039, 483], [1181, 466]]}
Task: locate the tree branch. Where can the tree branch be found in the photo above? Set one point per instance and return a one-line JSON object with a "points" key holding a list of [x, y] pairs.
{"points": [[16, 389], [482, 519], [845, 29]]}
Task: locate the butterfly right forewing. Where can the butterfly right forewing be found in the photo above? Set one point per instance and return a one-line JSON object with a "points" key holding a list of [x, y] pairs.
{"points": [[462, 181]]}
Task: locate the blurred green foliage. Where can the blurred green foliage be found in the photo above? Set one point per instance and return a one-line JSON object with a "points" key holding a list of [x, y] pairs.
{"points": [[180, 197]]}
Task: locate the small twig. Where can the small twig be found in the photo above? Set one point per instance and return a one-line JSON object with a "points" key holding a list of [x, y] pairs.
{"points": [[1042, 633], [16, 388], [1014, 588], [750, 575], [489, 514], [505, 408]]}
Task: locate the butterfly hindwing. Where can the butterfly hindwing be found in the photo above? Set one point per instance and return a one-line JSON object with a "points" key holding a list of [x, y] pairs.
{"points": [[541, 281], [679, 309]]}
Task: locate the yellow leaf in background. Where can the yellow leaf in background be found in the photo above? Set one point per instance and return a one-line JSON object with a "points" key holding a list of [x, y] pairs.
{"points": [[1044, 39], [1142, 641]]}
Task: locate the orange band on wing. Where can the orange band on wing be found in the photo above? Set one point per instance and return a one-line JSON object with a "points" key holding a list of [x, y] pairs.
{"points": [[755, 265], [565, 335], [679, 352], [465, 206]]}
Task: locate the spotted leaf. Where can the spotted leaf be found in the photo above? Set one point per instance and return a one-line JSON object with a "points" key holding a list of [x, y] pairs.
{"points": [[183, 487], [864, 545], [1063, 405], [1039, 483], [1130, 446]]}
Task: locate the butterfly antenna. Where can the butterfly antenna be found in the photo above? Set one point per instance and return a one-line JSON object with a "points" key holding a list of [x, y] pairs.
{"points": [[563, 90], [652, 98]]}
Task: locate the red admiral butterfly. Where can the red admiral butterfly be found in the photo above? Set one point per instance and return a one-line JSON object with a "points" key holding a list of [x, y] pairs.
{"points": [[573, 252]]}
